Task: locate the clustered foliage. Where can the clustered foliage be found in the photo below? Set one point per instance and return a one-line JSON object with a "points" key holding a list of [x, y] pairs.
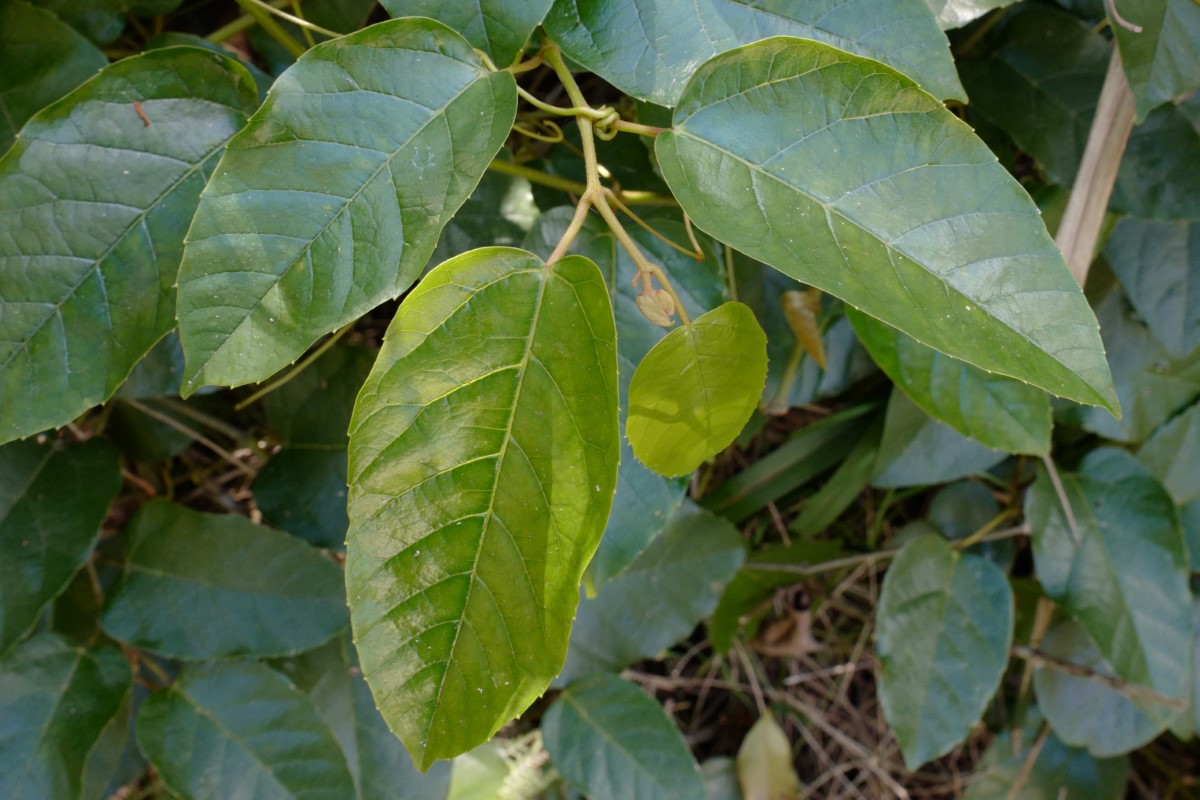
{"points": [[705, 306]]}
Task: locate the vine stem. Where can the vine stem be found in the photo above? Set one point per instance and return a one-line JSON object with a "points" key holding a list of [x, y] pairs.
{"points": [[244, 22], [256, 9], [630, 198]]}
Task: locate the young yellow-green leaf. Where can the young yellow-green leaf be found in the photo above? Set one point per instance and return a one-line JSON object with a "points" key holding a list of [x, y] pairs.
{"points": [[764, 763], [332, 198], [240, 729], [498, 27], [612, 742], [1000, 412], [55, 700], [1162, 56], [202, 586], [52, 501], [694, 391], [41, 59], [87, 265], [649, 48], [945, 623], [844, 174], [483, 460], [1119, 565]]}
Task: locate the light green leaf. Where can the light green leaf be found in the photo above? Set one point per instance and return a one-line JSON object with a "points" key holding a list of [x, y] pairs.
{"points": [[52, 501], [917, 449], [222, 730], [55, 700], [1161, 55], [499, 28], [483, 460], [1172, 455], [87, 266], [944, 626], [999, 412], [659, 598], [1118, 564], [693, 392], [41, 59], [202, 586], [479, 774], [764, 763], [1085, 713], [845, 175], [1037, 75], [1158, 264], [957, 13], [649, 48], [1056, 768], [612, 742], [332, 198], [1160, 171]]}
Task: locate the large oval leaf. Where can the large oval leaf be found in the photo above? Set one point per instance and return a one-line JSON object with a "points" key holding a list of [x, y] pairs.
{"points": [[1000, 412], [217, 585], [87, 266], [693, 393], [332, 198], [498, 27], [240, 730], [945, 623], [845, 175], [649, 48], [483, 460], [55, 700], [52, 501], [1157, 39]]}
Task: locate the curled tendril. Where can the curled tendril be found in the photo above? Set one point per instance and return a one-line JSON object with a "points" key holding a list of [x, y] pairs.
{"points": [[605, 127], [550, 131]]}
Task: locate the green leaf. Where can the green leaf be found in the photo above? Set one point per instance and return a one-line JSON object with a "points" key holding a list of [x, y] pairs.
{"points": [[964, 508], [1056, 768], [1085, 713], [98, 20], [1158, 264], [1160, 55], [303, 491], [1037, 75], [262, 80], [221, 729], [158, 374], [332, 198], [944, 626], [217, 586], [999, 412], [659, 598], [917, 449], [1159, 176], [957, 13], [1172, 455], [499, 28], [55, 700], [378, 762], [764, 763], [1118, 564], [844, 486], [649, 48], [41, 59], [483, 460], [798, 154], [610, 741], [694, 391], [314, 408], [479, 774], [500, 212], [88, 266], [52, 501]]}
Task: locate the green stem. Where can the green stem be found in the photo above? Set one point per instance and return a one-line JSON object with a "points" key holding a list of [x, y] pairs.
{"points": [[574, 187], [242, 23], [303, 365], [273, 28], [779, 403]]}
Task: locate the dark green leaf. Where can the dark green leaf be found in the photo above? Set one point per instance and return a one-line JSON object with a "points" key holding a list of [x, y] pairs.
{"points": [[917, 449], [649, 48], [101, 21], [302, 490], [342, 16], [943, 629], [41, 59], [497, 27], [693, 392], [222, 730], [956, 13], [1158, 264], [483, 460], [611, 741], [499, 212], [159, 373], [1085, 713], [87, 266], [844, 486], [798, 154], [262, 80], [52, 501], [55, 700], [1119, 565], [1172, 455], [1189, 518], [314, 408], [1160, 171], [659, 598], [332, 198], [964, 508], [999, 412], [216, 585], [1161, 53]]}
